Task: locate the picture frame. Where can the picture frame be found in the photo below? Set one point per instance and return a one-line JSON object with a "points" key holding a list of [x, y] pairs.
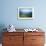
{"points": [[25, 13]]}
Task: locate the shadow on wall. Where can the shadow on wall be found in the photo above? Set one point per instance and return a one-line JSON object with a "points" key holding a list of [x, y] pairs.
{"points": [[2, 26]]}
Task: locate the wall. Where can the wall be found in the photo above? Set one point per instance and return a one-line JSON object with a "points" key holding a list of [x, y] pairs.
{"points": [[9, 13]]}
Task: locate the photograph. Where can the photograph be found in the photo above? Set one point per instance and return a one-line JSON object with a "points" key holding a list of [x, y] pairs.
{"points": [[25, 13]]}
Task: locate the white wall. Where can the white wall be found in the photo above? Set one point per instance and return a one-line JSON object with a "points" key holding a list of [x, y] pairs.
{"points": [[9, 13]]}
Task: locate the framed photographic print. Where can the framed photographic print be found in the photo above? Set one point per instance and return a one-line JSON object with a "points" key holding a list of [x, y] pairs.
{"points": [[25, 13]]}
